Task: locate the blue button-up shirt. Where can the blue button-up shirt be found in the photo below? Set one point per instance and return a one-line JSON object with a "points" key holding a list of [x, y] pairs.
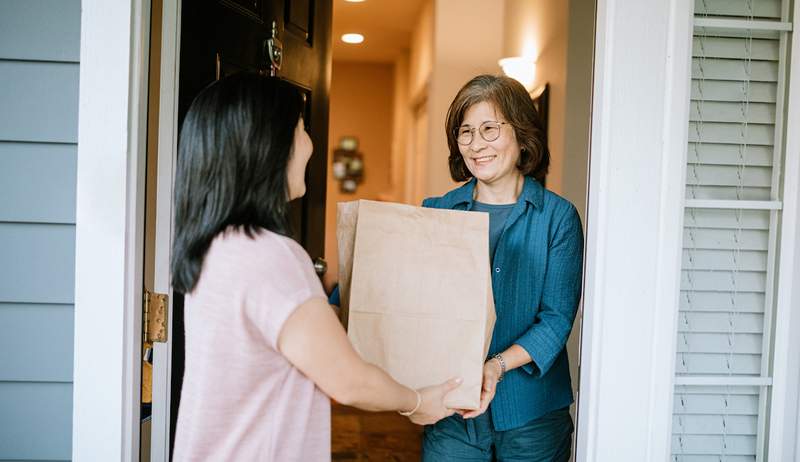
{"points": [[536, 279]]}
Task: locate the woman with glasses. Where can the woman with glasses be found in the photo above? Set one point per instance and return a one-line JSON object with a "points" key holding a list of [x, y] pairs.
{"points": [[263, 347], [497, 145]]}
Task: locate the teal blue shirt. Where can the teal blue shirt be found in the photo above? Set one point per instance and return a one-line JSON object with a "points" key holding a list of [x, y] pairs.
{"points": [[497, 221], [536, 279]]}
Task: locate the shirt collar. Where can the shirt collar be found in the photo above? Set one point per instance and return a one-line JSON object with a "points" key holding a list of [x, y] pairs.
{"points": [[532, 191]]}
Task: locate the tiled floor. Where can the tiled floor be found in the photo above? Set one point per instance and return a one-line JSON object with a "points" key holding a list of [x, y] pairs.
{"points": [[368, 436]]}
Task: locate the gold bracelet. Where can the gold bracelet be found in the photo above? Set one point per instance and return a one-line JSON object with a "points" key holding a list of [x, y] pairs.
{"points": [[416, 408]]}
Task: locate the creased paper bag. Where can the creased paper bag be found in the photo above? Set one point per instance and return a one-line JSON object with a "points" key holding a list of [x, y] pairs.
{"points": [[416, 293]]}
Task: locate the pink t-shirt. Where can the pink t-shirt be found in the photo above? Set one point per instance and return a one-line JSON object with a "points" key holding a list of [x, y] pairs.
{"points": [[242, 400]]}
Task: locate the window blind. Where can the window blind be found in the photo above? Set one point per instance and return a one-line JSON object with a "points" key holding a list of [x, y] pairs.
{"points": [[730, 230]]}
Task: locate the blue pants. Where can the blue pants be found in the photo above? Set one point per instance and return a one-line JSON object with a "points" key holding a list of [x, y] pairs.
{"points": [[548, 438]]}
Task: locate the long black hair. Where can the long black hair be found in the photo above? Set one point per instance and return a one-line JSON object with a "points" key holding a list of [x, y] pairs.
{"points": [[234, 149]]}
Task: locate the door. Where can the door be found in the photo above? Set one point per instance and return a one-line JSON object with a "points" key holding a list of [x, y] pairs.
{"points": [[221, 37]]}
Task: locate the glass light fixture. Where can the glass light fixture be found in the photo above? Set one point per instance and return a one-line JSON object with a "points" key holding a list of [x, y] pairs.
{"points": [[521, 69], [352, 38]]}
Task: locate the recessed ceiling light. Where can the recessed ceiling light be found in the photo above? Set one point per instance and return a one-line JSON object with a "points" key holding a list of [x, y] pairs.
{"points": [[352, 38], [355, 1]]}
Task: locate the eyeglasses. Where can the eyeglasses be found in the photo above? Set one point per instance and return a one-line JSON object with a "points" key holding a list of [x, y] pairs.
{"points": [[489, 130]]}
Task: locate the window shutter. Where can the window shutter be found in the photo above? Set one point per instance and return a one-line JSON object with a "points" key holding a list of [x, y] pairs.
{"points": [[730, 230]]}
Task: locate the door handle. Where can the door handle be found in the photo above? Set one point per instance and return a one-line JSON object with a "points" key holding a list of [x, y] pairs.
{"points": [[274, 50]]}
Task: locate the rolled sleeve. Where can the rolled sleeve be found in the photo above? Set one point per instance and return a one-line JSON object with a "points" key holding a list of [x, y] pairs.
{"points": [[546, 338]]}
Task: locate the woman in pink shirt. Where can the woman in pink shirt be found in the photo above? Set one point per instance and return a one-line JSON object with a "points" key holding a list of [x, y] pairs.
{"points": [[263, 347]]}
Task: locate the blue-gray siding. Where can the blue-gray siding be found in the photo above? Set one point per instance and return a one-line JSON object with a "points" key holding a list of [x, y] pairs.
{"points": [[39, 54]]}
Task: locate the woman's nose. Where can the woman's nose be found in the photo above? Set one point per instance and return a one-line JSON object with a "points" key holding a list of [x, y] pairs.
{"points": [[478, 144]]}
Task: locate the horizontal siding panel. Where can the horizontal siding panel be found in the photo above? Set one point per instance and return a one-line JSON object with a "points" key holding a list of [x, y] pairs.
{"points": [[726, 218], [737, 445], [36, 421], [732, 112], [715, 424], [39, 263], [712, 458], [723, 281], [725, 133], [40, 102], [37, 342], [735, 48], [738, 8], [722, 260], [719, 343], [741, 302], [729, 175], [734, 91], [725, 239], [721, 323], [734, 70], [728, 193], [730, 154], [44, 30], [42, 180], [733, 402], [718, 364]]}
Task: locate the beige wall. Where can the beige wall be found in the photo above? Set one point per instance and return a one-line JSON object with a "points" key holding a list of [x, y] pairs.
{"points": [[577, 122], [420, 52], [360, 105], [443, 55], [538, 29], [401, 116], [468, 40], [420, 67], [559, 36]]}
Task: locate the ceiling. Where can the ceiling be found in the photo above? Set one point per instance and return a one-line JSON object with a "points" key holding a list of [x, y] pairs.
{"points": [[385, 24]]}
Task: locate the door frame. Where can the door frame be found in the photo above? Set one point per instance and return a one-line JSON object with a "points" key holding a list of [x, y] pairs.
{"points": [[162, 281], [109, 232], [112, 142], [639, 132], [784, 419], [636, 402], [640, 124]]}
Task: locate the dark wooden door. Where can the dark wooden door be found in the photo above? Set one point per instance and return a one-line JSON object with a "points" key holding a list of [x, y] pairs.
{"points": [[220, 37]]}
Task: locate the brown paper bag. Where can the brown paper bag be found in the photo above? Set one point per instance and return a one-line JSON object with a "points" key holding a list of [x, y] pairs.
{"points": [[416, 293]]}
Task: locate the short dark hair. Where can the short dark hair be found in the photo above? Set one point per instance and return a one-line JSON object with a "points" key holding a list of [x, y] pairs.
{"points": [[516, 105], [233, 153]]}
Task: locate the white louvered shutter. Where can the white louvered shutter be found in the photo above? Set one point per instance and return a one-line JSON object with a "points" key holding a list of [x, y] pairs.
{"points": [[730, 234]]}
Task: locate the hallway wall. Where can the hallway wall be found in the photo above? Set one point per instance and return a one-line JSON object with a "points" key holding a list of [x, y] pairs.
{"points": [[361, 105], [559, 36]]}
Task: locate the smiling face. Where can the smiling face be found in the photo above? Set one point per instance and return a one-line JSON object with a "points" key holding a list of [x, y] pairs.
{"points": [[495, 161]]}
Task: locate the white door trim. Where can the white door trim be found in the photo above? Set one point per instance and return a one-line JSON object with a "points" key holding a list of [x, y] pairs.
{"points": [[784, 428], [634, 228], [109, 229], [167, 157]]}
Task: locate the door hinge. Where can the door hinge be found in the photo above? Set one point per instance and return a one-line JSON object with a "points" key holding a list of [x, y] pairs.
{"points": [[154, 320]]}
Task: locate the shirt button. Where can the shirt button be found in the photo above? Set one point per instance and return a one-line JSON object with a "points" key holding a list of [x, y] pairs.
{"points": [[497, 270]]}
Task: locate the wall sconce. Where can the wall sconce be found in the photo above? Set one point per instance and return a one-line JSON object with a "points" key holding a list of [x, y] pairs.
{"points": [[521, 69], [348, 164]]}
